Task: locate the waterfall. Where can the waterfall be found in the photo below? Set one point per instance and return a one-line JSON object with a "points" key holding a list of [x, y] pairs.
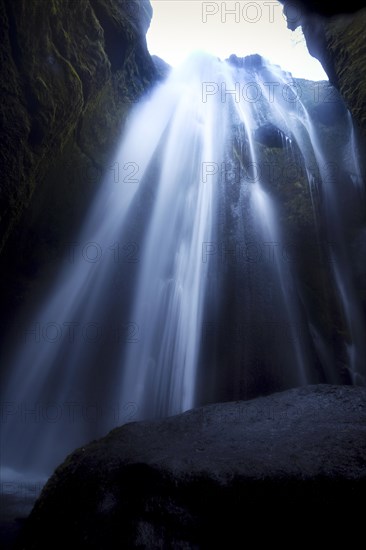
{"points": [[180, 288]]}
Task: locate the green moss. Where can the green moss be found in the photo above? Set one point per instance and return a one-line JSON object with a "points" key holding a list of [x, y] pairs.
{"points": [[346, 45]]}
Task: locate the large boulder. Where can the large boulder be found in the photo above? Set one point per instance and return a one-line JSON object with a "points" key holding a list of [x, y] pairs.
{"points": [[199, 479]]}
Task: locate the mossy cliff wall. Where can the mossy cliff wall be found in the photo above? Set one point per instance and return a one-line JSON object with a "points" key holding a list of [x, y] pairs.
{"points": [[70, 71], [346, 47]]}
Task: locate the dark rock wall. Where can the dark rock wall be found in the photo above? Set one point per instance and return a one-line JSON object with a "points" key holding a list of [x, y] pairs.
{"points": [[323, 7], [69, 73], [347, 48], [338, 41]]}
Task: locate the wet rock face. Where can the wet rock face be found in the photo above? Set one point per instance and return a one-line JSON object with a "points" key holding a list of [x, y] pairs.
{"points": [[69, 72], [270, 136], [194, 480]]}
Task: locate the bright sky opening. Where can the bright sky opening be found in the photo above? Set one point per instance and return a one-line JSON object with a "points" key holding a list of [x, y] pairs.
{"points": [[179, 27]]}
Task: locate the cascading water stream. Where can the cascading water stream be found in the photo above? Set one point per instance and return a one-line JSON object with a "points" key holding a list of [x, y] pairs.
{"points": [[266, 214], [161, 373], [179, 145], [333, 210]]}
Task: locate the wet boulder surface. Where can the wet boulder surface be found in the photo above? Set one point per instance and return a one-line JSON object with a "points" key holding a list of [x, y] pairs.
{"points": [[205, 477]]}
